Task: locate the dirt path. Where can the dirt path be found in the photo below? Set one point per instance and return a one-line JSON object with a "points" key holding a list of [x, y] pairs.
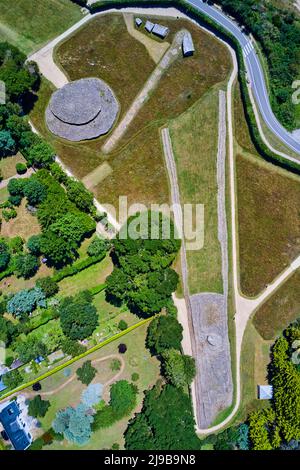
{"points": [[74, 376], [170, 56]]}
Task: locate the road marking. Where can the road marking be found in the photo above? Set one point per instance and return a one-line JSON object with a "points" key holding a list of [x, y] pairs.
{"points": [[248, 48]]}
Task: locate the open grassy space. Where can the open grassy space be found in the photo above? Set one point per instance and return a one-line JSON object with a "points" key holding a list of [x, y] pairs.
{"points": [[280, 310], [30, 24], [24, 225], [8, 165], [125, 64], [195, 142], [137, 359], [3, 195], [241, 130], [268, 219]]}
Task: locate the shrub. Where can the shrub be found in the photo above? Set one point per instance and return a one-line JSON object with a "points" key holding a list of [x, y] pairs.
{"points": [[122, 325], [135, 377], [34, 245], [86, 373], [25, 301], [26, 265], [21, 168], [72, 348], [122, 348], [97, 247], [48, 286], [115, 365], [9, 214], [38, 407]]}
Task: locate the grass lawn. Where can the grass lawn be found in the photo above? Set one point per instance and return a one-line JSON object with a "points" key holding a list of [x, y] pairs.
{"points": [[14, 284], [23, 225], [30, 24], [122, 61], [3, 195], [195, 142], [137, 359], [241, 130], [86, 279], [268, 218], [280, 310], [8, 165]]}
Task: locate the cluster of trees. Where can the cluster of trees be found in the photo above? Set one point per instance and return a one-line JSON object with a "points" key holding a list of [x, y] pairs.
{"points": [[279, 425], [38, 407], [78, 316], [86, 373], [74, 424], [142, 253]]}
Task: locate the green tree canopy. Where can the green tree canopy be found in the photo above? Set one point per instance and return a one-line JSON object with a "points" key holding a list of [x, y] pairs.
{"points": [[164, 332], [38, 407], [78, 316], [86, 373]]}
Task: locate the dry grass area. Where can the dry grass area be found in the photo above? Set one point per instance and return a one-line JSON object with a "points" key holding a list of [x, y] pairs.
{"points": [[241, 130], [14, 284], [268, 218], [23, 225], [8, 165], [280, 310], [195, 142]]}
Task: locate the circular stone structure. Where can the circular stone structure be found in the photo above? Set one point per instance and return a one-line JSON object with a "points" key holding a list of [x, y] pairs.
{"points": [[82, 110]]}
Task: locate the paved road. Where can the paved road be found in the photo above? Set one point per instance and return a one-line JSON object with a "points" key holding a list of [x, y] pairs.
{"points": [[255, 74]]}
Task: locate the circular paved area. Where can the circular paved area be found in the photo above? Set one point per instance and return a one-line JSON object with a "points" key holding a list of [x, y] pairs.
{"points": [[82, 110]]}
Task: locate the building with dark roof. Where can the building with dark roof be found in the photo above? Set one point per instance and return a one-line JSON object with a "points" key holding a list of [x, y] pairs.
{"points": [[14, 427]]}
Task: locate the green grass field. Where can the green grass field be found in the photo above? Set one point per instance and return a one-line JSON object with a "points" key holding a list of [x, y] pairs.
{"points": [[195, 142], [280, 310], [30, 24], [268, 215]]}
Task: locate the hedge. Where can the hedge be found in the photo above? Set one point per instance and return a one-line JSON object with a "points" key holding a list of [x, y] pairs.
{"points": [[77, 267], [222, 33], [75, 359]]}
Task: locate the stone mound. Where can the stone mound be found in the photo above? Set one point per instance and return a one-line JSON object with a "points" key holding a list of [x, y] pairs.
{"points": [[82, 110]]}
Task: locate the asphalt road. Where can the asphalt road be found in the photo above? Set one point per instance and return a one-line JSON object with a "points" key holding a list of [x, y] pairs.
{"points": [[255, 73]]}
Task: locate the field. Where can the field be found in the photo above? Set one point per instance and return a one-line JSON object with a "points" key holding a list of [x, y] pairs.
{"points": [[28, 31], [8, 165], [137, 359], [24, 225], [137, 163], [268, 216], [280, 310], [195, 142]]}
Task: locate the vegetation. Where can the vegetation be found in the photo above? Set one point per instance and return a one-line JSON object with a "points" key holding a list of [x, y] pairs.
{"points": [[142, 277], [12, 378], [74, 424], [179, 369], [164, 333], [86, 373], [78, 316], [38, 407]]}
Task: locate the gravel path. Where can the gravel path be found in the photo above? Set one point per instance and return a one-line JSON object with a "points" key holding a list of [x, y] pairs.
{"points": [[5, 182]]}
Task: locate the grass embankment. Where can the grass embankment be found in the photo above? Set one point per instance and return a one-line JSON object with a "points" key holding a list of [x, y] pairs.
{"points": [[137, 359], [268, 216], [28, 25], [195, 142], [280, 310], [122, 61]]}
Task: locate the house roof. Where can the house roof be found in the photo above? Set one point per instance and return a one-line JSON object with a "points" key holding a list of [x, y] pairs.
{"points": [[149, 26], [265, 392], [138, 21], [160, 30], [17, 434], [187, 44], [2, 386]]}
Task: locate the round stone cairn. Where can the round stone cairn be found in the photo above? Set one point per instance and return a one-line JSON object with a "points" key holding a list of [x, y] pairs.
{"points": [[82, 110], [214, 340]]}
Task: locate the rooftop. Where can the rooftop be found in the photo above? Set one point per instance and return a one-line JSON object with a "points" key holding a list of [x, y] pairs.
{"points": [[265, 392], [9, 417], [160, 30], [187, 44]]}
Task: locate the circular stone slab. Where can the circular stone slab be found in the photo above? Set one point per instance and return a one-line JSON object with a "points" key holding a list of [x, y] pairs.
{"points": [[77, 102], [214, 340], [103, 116]]}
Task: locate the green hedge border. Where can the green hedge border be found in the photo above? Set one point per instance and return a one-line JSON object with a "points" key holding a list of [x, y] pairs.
{"points": [[223, 34], [75, 359]]}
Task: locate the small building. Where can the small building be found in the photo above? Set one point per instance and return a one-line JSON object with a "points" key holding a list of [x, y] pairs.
{"points": [[188, 47], [2, 386], [160, 31], [149, 26], [265, 392], [14, 427], [138, 22]]}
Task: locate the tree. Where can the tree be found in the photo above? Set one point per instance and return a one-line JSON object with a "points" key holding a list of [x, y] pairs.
{"points": [[179, 369], [34, 191], [164, 332], [57, 251], [122, 325], [115, 364], [7, 144], [17, 125], [86, 373], [97, 247], [92, 395], [34, 245], [123, 397], [12, 379], [26, 265], [16, 187], [78, 316], [38, 407], [261, 427], [21, 168], [40, 155], [4, 255], [30, 349], [74, 424], [73, 227], [16, 245], [166, 422], [78, 194], [48, 286], [25, 301], [72, 348]]}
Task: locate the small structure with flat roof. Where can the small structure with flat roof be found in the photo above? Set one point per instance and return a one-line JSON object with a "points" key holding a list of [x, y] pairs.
{"points": [[161, 31], [149, 26], [14, 427], [138, 22], [188, 47], [265, 392]]}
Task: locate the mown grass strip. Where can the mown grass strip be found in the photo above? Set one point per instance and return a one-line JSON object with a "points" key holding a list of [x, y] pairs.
{"points": [[75, 359]]}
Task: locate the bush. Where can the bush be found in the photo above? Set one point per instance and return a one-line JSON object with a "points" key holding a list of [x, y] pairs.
{"points": [[48, 286], [115, 365], [34, 245], [122, 348], [9, 214], [26, 265], [72, 348], [122, 325], [38, 407], [21, 168], [97, 247], [86, 373], [135, 377]]}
